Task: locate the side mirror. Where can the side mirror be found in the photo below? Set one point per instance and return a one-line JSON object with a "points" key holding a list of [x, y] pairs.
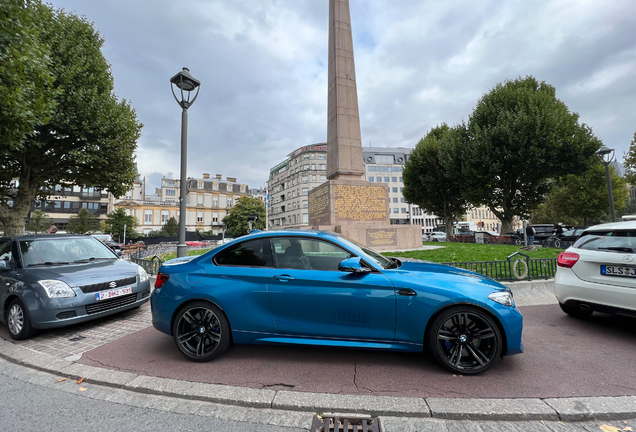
{"points": [[352, 265], [118, 252]]}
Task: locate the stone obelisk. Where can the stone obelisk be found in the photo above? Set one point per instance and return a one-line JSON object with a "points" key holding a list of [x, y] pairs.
{"points": [[346, 203]]}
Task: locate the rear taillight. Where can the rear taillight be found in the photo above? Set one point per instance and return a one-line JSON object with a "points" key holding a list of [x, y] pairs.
{"points": [[162, 278], [565, 259]]}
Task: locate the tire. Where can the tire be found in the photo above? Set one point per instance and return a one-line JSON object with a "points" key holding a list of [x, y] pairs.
{"points": [[201, 331], [18, 321], [518, 242], [464, 340], [576, 312]]}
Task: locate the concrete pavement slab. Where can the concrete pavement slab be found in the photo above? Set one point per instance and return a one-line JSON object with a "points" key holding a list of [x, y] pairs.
{"points": [[605, 408], [493, 409], [97, 375], [375, 405], [31, 358], [201, 391]]}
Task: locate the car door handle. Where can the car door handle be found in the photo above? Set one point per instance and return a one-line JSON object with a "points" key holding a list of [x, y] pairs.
{"points": [[407, 292], [283, 278]]}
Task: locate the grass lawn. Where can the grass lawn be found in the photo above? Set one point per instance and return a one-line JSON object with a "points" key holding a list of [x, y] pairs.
{"points": [[466, 252], [171, 255]]}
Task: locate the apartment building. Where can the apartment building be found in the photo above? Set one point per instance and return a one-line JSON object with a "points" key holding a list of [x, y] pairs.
{"points": [[208, 201], [290, 182]]}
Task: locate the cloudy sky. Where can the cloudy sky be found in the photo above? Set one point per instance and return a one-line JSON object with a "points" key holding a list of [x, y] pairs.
{"points": [[263, 68]]}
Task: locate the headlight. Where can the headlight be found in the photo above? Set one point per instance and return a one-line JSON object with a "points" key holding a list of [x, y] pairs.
{"points": [[143, 276], [502, 297], [57, 288]]}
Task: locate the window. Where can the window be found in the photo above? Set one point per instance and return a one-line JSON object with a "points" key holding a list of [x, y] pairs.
{"points": [[396, 210], [306, 254], [386, 179], [305, 218], [215, 201], [169, 183], [229, 188], [313, 166], [199, 216], [403, 210], [394, 189], [200, 185], [401, 189], [395, 200], [200, 200], [323, 178], [305, 204], [147, 217], [401, 180], [294, 194], [313, 156], [165, 215], [253, 253], [313, 179], [305, 167], [394, 179], [215, 186], [371, 179], [402, 199], [305, 191], [229, 202], [305, 179], [322, 156], [378, 179], [305, 157], [170, 192], [215, 217], [322, 167]]}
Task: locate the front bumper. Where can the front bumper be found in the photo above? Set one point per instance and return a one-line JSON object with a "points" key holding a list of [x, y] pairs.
{"points": [[47, 313]]}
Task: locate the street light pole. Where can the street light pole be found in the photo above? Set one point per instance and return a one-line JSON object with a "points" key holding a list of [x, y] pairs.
{"points": [[186, 83], [607, 155]]}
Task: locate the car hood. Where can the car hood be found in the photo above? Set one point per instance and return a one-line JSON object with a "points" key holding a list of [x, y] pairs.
{"points": [[84, 274], [434, 274]]}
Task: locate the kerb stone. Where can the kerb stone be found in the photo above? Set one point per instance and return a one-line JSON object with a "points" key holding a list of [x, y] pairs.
{"points": [[491, 409], [590, 408]]}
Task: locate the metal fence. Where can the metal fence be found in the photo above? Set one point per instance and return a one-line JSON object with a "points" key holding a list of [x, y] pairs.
{"points": [[513, 269], [149, 257]]}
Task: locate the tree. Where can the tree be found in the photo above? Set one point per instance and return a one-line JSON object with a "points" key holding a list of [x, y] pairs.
{"points": [[237, 220], [84, 222], [581, 200], [630, 162], [519, 137], [39, 221], [170, 228], [116, 221], [432, 175], [85, 137]]}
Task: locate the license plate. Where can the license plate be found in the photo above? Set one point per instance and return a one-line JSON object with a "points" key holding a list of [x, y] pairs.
{"points": [[618, 271], [105, 295]]}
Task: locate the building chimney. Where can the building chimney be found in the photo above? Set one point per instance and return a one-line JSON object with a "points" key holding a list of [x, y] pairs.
{"points": [[219, 176], [206, 175], [231, 179]]}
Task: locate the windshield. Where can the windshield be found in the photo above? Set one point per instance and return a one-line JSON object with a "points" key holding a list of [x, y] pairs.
{"points": [[54, 251], [375, 257], [612, 241]]}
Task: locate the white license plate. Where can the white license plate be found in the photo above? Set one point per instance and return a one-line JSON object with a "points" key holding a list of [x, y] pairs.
{"points": [[105, 295], [618, 271]]}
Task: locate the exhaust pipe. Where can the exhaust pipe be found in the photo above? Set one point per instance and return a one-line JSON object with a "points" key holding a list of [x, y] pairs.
{"points": [[585, 307]]}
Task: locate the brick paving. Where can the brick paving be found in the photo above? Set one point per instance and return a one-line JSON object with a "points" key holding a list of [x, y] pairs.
{"points": [[71, 342]]}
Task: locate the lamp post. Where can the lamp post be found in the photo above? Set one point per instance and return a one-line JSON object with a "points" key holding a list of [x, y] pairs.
{"points": [[607, 155], [186, 83]]}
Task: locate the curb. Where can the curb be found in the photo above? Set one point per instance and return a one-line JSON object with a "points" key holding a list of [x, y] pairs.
{"points": [[554, 409]]}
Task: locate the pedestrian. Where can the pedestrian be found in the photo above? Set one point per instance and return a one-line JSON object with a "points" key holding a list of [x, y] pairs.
{"points": [[51, 230], [530, 234], [558, 230]]}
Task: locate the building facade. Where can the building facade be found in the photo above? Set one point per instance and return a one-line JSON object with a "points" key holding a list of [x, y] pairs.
{"points": [[208, 201], [290, 182]]}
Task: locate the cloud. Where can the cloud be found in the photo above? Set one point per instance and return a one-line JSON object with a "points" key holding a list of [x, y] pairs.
{"points": [[263, 68]]}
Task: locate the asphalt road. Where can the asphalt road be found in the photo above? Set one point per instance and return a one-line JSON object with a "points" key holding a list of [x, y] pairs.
{"points": [[29, 407], [564, 357]]}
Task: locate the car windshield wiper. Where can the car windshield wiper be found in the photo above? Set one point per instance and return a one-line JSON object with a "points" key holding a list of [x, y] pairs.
{"points": [[86, 260], [617, 248], [48, 263]]}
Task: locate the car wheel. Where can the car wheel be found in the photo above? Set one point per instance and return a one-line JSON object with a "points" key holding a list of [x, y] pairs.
{"points": [[465, 340], [518, 242], [201, 331], [435, 240], [18, 321], [576, 312]]}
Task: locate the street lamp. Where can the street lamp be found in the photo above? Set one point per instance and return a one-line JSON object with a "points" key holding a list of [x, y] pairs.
{"points": [[186, 83], [607, 155]]}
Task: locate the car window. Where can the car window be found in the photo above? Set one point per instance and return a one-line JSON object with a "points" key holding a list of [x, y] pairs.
{"points": [[251, 253], [608, 241], [5, 253], [63, 251], [308, 254]]}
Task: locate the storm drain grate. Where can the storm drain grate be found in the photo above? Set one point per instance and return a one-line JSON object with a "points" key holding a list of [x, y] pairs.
{"points": [[345, 424]]}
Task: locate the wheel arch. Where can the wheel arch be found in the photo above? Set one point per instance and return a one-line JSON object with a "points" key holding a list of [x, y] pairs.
{"points": [[7, 302], [504, 339]]}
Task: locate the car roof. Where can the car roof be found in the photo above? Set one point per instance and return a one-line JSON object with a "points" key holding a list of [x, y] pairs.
{"points": [[31, 237], [308, 233], [613, 226]]}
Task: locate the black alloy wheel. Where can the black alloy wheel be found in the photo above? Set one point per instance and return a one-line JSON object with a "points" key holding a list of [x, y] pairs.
{"points": [[465, 340], [201, 331], [18, 321]]}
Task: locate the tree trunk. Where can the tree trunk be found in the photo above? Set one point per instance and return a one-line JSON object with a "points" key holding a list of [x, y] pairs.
{"points": [[14, 218], [506, 226]]}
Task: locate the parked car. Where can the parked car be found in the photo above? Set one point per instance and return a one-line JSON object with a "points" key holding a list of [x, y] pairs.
{"points": [[52, 281], [426, 237], [437, 236], [598, 273], [542, 231], [317, 288], [570, 235]]}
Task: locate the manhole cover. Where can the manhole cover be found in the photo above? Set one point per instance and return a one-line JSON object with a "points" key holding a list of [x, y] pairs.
{"points": [[77, 338], [345, 424]]}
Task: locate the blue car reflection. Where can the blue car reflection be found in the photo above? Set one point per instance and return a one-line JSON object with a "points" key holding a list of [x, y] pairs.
{"points": [[318, 288]]}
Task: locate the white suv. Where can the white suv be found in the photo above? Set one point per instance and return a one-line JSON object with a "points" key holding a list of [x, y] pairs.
{"points": [[598, 273], [437, 236]]}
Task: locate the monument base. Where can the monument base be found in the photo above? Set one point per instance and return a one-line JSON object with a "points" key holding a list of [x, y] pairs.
{"points": [[360, 211]]}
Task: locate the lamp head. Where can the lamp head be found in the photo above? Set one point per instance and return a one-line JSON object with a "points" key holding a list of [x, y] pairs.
{"points": [[185, 81], [606, 153]]}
